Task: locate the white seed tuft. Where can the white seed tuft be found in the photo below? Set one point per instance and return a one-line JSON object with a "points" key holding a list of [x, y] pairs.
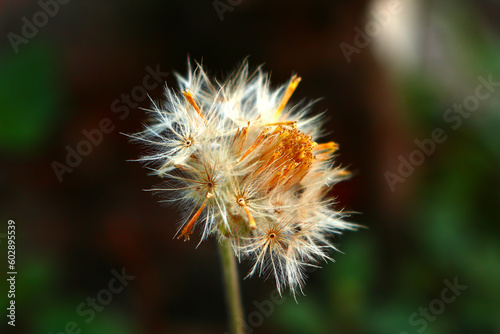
{"points": [[246, 167]]}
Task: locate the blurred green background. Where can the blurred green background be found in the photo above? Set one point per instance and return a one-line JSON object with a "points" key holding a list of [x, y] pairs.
{"points": [[393, 87]]}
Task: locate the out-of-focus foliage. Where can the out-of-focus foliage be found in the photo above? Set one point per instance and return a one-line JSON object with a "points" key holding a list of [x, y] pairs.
{"points": [[30, 97]]}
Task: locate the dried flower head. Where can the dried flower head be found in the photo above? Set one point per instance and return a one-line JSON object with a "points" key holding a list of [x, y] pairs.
{"points": [[248, 168]]}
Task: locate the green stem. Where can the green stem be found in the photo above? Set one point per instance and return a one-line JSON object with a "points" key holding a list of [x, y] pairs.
{"points": [[232, 285]]}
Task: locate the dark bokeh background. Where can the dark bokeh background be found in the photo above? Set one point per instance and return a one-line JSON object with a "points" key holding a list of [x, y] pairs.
{"points": [[440, 224]]}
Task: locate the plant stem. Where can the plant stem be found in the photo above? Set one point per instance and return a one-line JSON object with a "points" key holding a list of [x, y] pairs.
{"points": [[232, 285]]}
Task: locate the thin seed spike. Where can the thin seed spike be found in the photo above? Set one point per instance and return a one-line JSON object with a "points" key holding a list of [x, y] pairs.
{"points": [[255, 144], [189, 97], [323, 157], [327, 146], [251, 220], [243, 136], [288, 93], [289, 123], [188, 229], [344, 173], [269, 161], [236, 135]]}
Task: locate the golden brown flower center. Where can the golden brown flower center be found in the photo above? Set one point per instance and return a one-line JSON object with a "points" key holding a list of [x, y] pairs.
{"points": [[281, 157], [289, 156]]}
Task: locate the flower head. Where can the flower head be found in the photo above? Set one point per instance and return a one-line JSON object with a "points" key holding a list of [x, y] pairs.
{"points": [[248, 168]]}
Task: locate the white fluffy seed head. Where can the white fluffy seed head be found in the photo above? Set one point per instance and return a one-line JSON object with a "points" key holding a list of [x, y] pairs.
{"points": [[246, 167]]}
